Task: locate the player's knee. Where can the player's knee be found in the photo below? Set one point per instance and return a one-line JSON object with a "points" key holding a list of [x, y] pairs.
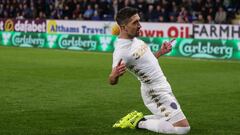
{"points": [[181, 123], [182, 127]]}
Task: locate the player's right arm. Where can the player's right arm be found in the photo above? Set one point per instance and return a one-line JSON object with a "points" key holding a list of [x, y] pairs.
{"points": [[165, 48], [117, 71]]}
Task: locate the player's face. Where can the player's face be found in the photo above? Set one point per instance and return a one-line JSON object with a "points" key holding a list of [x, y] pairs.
{"points": [[133, 26]]}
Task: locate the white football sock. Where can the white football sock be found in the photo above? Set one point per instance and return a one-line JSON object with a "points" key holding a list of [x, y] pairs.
{"points": [[162, 126], [182, 130]]}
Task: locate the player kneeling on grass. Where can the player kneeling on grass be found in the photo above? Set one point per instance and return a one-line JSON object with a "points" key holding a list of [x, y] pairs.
{"points": [[133, 54]]}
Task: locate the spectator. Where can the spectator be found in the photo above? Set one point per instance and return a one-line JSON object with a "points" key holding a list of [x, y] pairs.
{"points": [[19, 15], [180, 19], [26, 11], [161, 19], [5, 14], [80, 17], [66, 12], [77, 10], [210, 20], [150, 15], [174, 9], [221, 16], [88, 13], [95, 16], [41, 15], [161, 14], [200, 19], [184, 15], [172, 18], [211, 12], [12, 12]]}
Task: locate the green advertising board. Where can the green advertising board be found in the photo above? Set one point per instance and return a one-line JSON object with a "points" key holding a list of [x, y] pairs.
{"points": [[81, 42], [199, 48], [22, 39], [196, 48]]}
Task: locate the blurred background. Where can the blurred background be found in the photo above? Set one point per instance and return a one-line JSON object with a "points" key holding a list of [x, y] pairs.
{"points": [[182, 11]]}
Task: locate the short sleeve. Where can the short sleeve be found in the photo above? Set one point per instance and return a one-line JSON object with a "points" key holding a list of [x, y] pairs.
{"points": [[116, 58]]}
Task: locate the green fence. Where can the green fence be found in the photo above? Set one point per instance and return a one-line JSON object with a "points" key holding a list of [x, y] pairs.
{"points": [[197, 48]]}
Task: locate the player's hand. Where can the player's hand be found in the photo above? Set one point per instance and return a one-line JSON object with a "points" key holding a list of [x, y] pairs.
{"points": [[120, 69], [166, 47], [117, 71]]}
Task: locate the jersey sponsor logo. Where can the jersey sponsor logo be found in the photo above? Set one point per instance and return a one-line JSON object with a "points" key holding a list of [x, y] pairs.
{"points": [[140, 52]]}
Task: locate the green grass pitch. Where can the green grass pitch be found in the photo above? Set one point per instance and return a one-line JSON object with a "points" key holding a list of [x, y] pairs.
{"points": [[60, 92]]}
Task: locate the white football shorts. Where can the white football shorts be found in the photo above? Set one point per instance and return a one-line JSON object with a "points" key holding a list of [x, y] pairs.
{"points": [[160, 100]]}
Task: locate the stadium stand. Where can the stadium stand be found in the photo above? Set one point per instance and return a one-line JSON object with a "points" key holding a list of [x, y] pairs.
{"points": [[182, 11]]}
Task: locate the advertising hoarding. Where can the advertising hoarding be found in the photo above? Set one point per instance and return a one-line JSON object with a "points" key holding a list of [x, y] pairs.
{"points": [[216, 31], [174, 30], [23, 25], [183, 47]]}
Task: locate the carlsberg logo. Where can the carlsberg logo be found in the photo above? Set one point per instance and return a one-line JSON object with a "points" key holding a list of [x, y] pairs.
{"points": [[205, 50], [77, 43], [30, 40]]}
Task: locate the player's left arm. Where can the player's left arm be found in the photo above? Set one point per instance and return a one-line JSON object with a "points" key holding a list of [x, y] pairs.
{"points": [[165, 48]]}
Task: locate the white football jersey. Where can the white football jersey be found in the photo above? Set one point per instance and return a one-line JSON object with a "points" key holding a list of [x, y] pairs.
{"points": [[139, 59]]}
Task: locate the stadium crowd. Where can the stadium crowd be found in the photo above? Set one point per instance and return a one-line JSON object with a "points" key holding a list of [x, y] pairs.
{"points": [[182, 11]]}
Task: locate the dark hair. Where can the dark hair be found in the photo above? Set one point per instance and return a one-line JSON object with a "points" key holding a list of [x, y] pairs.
{"points": [[125, 14]]}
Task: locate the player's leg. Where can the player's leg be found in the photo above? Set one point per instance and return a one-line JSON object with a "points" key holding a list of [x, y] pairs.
{"points": [[168, 116], [181, 123], [162, 126]]}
